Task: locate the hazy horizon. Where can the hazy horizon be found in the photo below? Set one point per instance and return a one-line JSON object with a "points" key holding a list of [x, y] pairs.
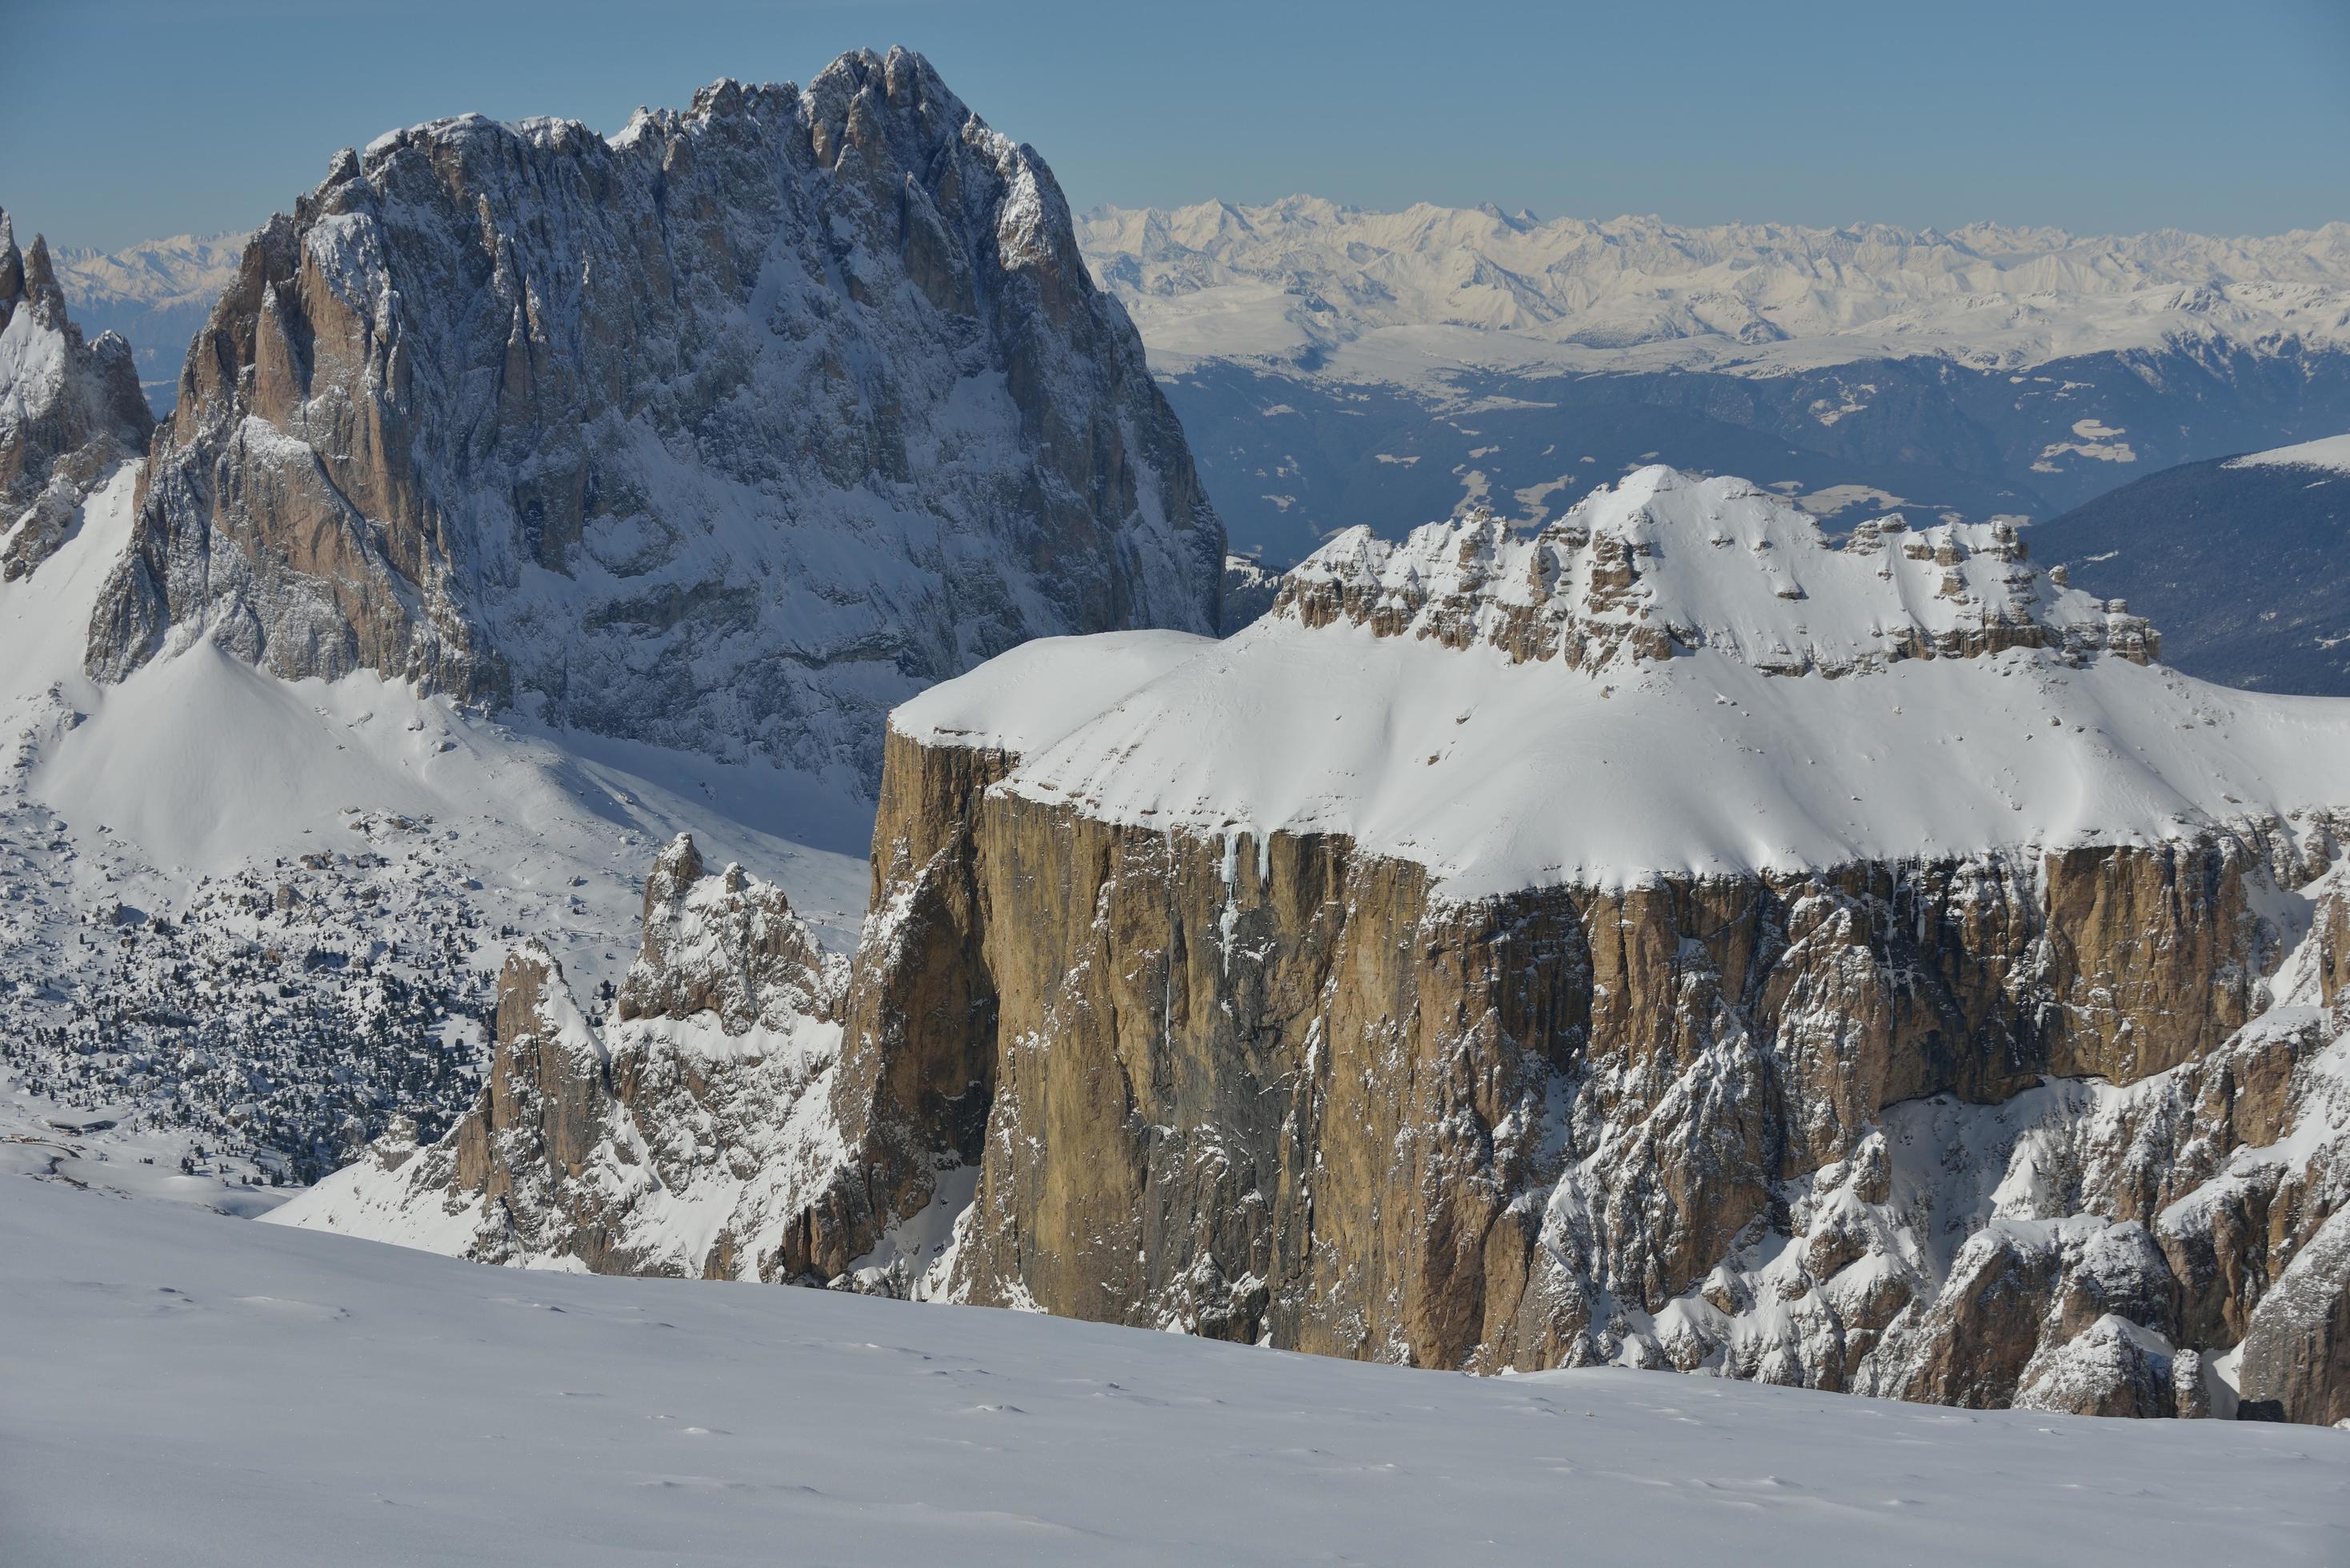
{"points": [[205, 119]]}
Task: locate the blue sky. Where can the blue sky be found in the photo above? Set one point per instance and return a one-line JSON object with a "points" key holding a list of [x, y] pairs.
{"points": [[123, 118]]}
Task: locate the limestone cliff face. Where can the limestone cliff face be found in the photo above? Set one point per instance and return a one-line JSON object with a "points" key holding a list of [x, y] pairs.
{"points": [[1279, 1091], [727, 432], [70, 411], [1135, 1032], [2062, 1131]]}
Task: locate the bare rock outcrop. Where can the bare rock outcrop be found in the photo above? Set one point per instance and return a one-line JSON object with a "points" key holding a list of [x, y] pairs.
{"points": [[686, 1134], [2296, 1364], [726, 431], [1587, 590]]}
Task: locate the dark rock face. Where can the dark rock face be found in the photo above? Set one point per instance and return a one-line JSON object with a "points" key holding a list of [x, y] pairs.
{"points": [[726, 433], [69, 410]]}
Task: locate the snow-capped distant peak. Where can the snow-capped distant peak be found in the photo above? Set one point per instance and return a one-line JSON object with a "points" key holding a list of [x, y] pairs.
{"points": [[1664, 562], [1400, 296], [2331, 451]]}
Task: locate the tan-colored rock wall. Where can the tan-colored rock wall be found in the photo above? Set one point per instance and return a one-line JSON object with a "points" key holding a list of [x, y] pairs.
{"points": [[1280, 1091]]}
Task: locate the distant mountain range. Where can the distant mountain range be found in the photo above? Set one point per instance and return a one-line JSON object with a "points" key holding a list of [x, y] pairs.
{"points": [[1335, 367], [156, 294]]}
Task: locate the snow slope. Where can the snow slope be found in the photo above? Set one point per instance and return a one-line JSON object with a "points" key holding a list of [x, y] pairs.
{"points": [[270, 833], [202, 762], [1500, 772], [278, 1394], [2333, 451]]}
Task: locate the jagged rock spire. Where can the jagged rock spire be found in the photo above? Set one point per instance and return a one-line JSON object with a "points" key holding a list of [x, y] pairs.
{"points": [[41, 292], [12, 269], [71, 411]]}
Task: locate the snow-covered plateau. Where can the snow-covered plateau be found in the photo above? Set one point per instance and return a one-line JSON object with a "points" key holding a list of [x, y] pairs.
{"points": [[282, 1395], [1355, 708], [1674, 938]]}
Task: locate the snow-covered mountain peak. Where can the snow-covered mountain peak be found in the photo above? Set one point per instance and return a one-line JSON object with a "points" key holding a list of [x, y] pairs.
{"points": [[1407, 294], [1665, 563]]}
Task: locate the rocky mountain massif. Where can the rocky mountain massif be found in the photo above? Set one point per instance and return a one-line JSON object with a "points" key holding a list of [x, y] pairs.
{"points": [[70, 411], [725, 432], [1336, 366], [1673, 939], [2238, 559], [533, 496]]}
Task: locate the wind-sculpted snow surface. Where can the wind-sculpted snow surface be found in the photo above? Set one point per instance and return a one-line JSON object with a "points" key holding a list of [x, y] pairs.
{"points": [[726, 433], [269, 1391]]}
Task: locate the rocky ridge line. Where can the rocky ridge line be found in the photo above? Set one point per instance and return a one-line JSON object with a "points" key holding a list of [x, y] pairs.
{"points": [[70, 411], [1590, 589]]}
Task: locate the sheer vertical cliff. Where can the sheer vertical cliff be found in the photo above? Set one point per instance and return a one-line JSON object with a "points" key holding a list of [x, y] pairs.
{"points": [[1671, 939]]}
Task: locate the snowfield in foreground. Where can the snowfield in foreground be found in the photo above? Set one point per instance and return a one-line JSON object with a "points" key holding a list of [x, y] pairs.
{"points": [[187, 1388]]}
